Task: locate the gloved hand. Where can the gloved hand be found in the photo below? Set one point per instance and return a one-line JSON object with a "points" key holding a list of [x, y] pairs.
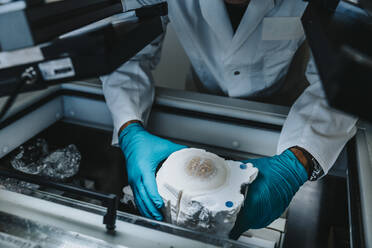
{"points": [[143, 153], [278, 180]]}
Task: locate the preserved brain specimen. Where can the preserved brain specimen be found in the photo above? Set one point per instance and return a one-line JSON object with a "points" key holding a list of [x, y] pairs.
{"points": [[203, 190], [198, 167]]}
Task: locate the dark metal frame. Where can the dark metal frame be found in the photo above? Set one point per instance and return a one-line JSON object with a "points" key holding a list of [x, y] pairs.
{"points": [[49, 20], [339, 33], [93, 54]]}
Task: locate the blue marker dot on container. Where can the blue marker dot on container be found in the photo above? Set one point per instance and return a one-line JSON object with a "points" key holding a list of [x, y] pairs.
{"points": [[243, 166], [229, 204]]}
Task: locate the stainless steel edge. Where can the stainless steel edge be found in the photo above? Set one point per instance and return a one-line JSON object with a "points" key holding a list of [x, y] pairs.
{"points": [[223, 106], [25, 128], [364, 163], [25, 100], [205, 103], [214, 133], [18, 232], [242, 139], [89, 223]]}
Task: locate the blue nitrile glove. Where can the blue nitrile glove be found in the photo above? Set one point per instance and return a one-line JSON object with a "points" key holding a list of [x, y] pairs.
{"points": [[278, 180], [143, 153]]}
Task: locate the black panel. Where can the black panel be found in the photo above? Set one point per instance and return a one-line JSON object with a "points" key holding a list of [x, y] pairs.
{"points": [[93, 54], [367, 4], [48, 21], [340, 39]]}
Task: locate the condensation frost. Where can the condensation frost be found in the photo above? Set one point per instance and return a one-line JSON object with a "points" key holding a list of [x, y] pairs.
{"points": [[27, 158], [62, 163], [36, 159], [15, 185]]}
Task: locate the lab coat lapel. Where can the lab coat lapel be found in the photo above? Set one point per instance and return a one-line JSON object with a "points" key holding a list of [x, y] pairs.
{"points": [[215, 14], [256, 11]]}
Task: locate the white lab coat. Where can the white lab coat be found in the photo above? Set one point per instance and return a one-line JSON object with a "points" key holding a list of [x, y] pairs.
{"points": [[240, 65]]}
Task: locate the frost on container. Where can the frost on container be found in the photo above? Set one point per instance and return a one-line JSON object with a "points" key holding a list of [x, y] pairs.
{"points": [[36, 159]]}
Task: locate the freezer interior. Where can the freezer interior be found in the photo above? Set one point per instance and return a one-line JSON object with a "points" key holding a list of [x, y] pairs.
{"points": [[76, 114]]}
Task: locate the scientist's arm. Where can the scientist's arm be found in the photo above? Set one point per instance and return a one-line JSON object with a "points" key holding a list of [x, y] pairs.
{"points": [[311, 126], [129, 94], [129, 90], [314, 126]]}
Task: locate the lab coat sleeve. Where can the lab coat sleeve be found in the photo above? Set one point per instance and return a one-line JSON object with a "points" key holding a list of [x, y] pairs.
{"points": [[314, 126], [129, 91]]}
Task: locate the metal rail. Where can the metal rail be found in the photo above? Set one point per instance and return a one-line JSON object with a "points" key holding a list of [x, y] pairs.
{"points": [[110, 201]]}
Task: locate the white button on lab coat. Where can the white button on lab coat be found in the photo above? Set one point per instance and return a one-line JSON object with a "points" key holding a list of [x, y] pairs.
{"points": [[239, 65]]}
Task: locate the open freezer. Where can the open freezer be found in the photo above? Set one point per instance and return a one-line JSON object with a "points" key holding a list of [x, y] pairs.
{"points": [[77, 114]]}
